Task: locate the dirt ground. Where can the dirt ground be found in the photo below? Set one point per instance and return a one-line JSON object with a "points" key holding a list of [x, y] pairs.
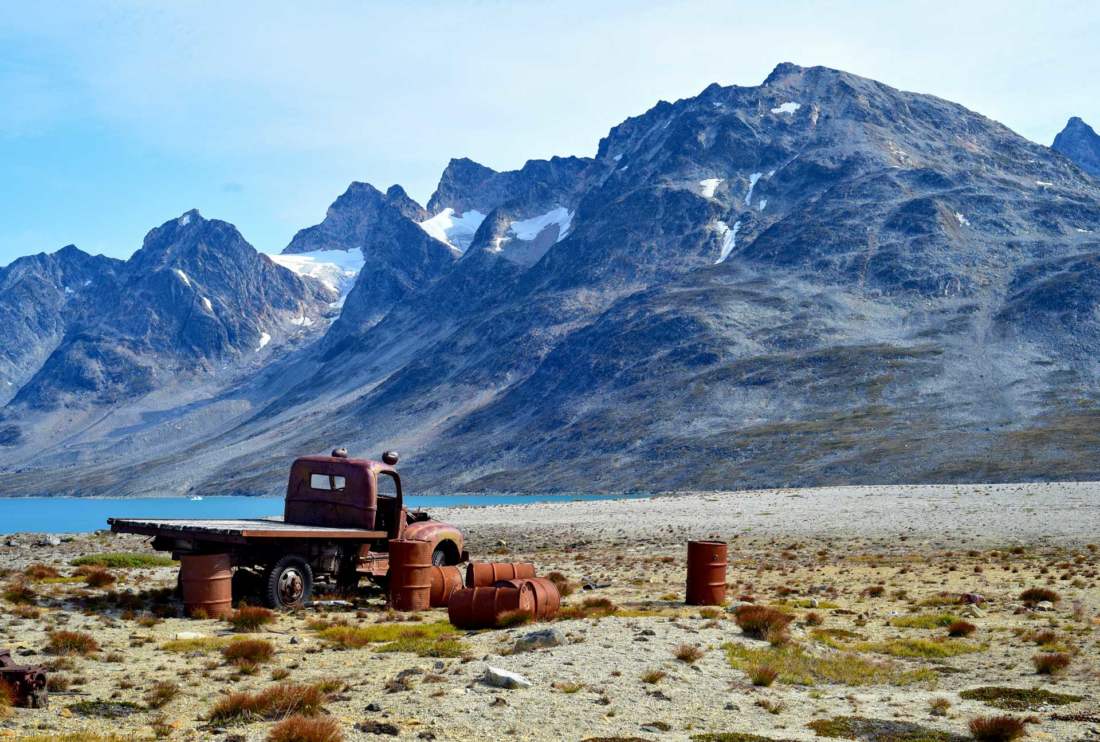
{"points": [[871, 579]]}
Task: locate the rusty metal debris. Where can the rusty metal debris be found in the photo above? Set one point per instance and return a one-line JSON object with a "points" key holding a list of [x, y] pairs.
{"points": [[485, 574], [27, 682], [410, 574], [488, 607], [546, 594], [445, 580], [706, 573], [206, 581]]}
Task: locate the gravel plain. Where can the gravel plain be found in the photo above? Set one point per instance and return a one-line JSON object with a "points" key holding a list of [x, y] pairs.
{"points": [[858, 569]]}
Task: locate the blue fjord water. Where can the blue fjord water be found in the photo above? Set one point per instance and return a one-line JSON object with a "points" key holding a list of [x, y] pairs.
{"points": [[76, 515]]}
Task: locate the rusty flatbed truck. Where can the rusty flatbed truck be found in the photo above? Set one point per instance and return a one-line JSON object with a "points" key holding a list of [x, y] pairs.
{"points": [[336, 526]]}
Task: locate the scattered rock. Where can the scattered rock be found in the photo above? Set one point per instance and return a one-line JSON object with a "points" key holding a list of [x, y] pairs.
{"points": [[498, 678], [1044, 605], [374, 708], [539, 640], [378, 727], [189, 635]]}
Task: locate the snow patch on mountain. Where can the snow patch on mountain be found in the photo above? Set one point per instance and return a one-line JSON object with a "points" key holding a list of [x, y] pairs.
{"points": [[529, 229], [752, 184], [336, 269], [708, 186], [729, 239], [456, 231], [788, 107], [207, 305], [264, 340], [183, 276]]}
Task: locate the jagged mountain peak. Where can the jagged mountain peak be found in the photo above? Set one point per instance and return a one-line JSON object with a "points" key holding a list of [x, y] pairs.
{"points": [[1080, 143]]}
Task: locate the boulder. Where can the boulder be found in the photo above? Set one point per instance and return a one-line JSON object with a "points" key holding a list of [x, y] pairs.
{"points": [[498, 678]]}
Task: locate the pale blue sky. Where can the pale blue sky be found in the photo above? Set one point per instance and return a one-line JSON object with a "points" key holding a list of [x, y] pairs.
{"points": [[117, 116]]}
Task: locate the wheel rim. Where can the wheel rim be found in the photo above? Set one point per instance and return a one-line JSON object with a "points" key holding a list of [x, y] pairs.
{"points": [[292, 586]]}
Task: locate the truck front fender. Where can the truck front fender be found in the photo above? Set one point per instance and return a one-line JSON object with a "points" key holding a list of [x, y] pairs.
{"points": [[445, 534]]}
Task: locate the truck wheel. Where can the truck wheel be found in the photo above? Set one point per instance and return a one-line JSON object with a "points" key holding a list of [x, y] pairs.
{"points": [[288, 583], [439, 557]]}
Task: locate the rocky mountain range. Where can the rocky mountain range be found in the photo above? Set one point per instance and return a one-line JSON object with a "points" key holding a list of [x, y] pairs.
{"points": [[820, 279]]}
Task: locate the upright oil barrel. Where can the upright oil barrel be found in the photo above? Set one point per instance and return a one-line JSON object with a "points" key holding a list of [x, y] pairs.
{"points": [[706, 573], [546, 594], [484, 574], [485, 607], [207, 584], [410, 574], [445, 580]]}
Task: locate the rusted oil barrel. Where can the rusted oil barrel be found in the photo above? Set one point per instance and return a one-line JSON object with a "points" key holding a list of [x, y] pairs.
{"points": [[484, 574], [547, 597], [410, 574], [445, 580], [706, 573], [207, 584], [484, 607]]}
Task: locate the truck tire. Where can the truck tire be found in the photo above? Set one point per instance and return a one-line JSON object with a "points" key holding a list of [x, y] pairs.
{"points": [[288, 583], [439, 556]]}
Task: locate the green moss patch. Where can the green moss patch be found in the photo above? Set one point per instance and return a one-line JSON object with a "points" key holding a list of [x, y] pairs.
{"points": [[105, 709], [798, 667], [124, 560], [879, 730], [1018, 699]]}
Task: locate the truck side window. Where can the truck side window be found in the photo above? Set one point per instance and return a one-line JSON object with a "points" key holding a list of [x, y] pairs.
{"points": [[329, 482]]}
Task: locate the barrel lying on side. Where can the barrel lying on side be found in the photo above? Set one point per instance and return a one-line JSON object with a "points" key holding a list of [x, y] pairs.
{"points": [[484, 574], [445, 580], [486, 607], [410, 574], [206, 581], [706, 573], [547, 596]]}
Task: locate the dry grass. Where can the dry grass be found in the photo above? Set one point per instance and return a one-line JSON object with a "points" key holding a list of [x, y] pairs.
{"points": [[798, 667], [652, 677], [248, 652], [161, 694], [763, 675], [39, 571], [588, 608], [96, 576], [248, 618], [274, 702], [961, 628], [1051, 664], [997, 728], [67, 643], [19, 593], [1034, 595], [565, 587], [760, 622], [689, 653], [508, 619], [305, 729]]}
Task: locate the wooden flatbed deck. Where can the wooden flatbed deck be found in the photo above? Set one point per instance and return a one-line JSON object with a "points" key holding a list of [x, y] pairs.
{"points": [[238, 530]]}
